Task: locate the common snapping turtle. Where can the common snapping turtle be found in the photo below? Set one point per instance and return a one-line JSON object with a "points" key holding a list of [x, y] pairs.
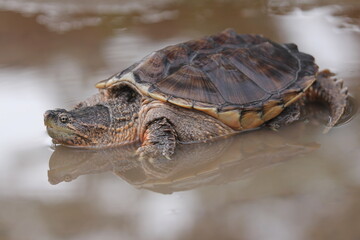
{"points": [[198, 90]]}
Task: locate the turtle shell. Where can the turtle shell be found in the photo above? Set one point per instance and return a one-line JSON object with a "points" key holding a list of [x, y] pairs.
{"points": [[241, 79]]}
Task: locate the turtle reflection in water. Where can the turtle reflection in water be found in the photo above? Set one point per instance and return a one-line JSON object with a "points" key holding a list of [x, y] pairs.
{"points": [[198, 90], [193, 165]]}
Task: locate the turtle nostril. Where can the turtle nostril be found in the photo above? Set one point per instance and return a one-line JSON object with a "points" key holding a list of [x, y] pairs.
{"points": [[48, 114], [49, 117]]}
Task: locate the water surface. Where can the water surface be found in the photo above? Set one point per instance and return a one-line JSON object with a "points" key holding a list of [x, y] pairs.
{"points": [[293, 184]]}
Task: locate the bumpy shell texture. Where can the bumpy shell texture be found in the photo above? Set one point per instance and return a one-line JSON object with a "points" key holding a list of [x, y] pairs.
{"points": [[226, 75]]}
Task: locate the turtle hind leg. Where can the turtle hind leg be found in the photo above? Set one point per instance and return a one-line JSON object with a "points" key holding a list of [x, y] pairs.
{"points": [[331, 91], [290, 114]]}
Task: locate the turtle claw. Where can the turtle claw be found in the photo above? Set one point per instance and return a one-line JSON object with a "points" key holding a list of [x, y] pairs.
{"points": [[275, 129]]}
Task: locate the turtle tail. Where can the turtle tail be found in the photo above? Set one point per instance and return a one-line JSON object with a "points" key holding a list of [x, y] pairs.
{"points": [[330, 90]]}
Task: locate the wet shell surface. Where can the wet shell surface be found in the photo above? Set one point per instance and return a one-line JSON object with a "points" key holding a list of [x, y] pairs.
{"points": [[241, 79]]}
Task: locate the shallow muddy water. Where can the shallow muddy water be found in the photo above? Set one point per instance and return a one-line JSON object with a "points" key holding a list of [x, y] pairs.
{"points": [[296, 183]]}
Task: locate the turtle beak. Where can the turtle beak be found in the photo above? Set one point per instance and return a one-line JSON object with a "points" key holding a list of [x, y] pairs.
{"points": [[49, 118]]}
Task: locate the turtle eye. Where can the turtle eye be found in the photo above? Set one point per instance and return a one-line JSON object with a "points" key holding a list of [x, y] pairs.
{"points": [[63, 118]]}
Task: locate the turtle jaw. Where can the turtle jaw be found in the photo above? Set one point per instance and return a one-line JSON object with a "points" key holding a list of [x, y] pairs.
{"points": [[61, 137]]}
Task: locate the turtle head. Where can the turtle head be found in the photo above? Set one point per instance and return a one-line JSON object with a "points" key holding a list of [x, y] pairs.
{"points": [[109, 118], [79, 127]]}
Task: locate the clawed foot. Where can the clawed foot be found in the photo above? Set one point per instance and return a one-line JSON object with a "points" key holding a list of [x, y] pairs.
{"points": [[159, 141]]}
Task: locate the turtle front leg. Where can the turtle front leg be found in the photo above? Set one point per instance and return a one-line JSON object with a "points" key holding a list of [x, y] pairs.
{"points": [[159, 140]]}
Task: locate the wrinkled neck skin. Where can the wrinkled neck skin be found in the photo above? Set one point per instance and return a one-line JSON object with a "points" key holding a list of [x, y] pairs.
{"points": [[123, 119]]}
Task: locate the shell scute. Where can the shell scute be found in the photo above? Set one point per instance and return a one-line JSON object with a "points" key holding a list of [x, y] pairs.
{"points": [[264, 67], [251, 119], [226, 37], [231, 118], [151, 68], [190, 83], [176, 57], [201, 44], [239, 89]]}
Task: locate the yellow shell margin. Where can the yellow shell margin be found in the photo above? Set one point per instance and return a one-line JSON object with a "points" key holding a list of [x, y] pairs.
{"points": [[235, 119]]}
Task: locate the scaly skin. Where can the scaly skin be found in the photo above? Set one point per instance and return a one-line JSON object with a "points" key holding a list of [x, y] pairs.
{"points": [[123, 115]]}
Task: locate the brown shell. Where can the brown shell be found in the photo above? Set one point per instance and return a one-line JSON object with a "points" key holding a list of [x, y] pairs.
{"points": [[241, 79]]}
